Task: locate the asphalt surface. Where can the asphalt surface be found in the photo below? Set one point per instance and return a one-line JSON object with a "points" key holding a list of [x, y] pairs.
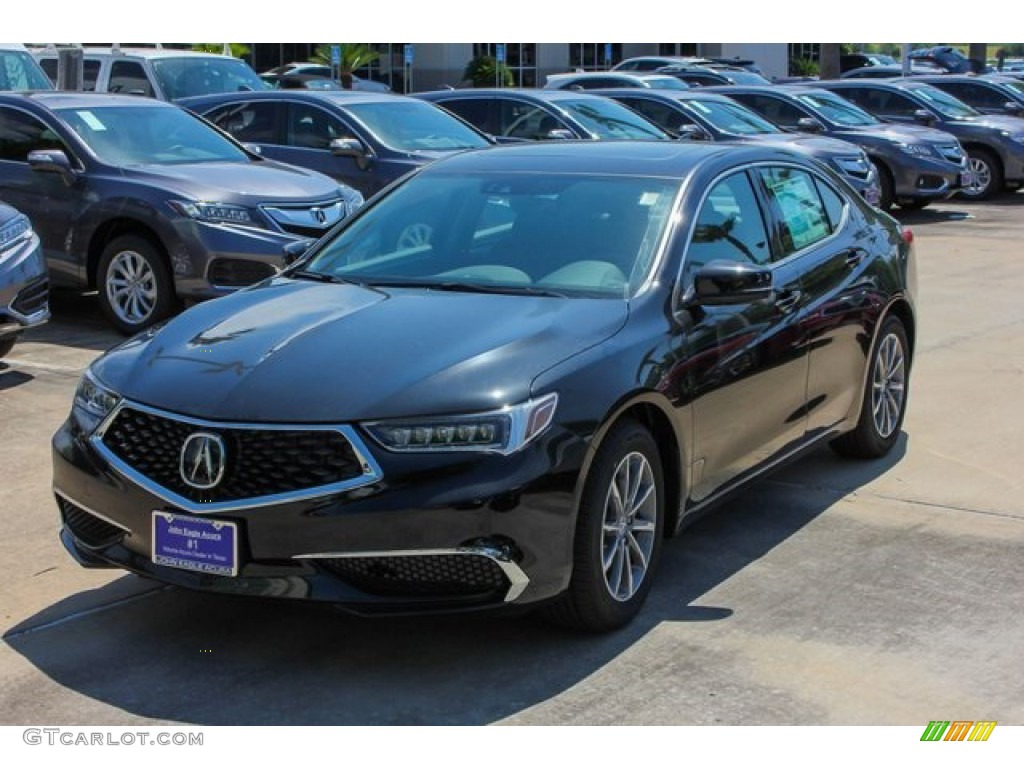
{"points": [[884, 593]]}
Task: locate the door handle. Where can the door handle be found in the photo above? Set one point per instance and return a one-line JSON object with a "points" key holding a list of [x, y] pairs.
{"points": [[786, 301], [855, 257]]}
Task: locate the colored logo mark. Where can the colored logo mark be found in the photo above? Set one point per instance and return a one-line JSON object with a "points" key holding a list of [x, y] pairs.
{"points": [[958, 730]]}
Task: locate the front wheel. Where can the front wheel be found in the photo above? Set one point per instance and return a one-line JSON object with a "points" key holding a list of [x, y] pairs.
{"points": [[885, 397], [135, 285], [988, 175], [618, 534]]}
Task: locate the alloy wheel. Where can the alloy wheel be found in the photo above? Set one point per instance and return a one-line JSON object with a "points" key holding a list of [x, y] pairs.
{"points": [[888, 389], [982, 176], [628, 532], [131, 287]]}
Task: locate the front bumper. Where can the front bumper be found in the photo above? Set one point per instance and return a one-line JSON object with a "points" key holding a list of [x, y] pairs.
{"points": [[24, 288], [438, 532], [919, 178]]}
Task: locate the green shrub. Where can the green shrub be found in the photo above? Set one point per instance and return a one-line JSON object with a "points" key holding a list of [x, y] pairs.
{"points": [[485, 71]]}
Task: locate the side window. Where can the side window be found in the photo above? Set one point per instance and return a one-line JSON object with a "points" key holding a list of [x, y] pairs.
{"points": [[660, 114], [49, 66], [476, 112], [802, 213], [977, 95], [833, 202], [90, 71], [253, 121], [310, 127], [21, 133], [729, 227], [525, 121], [888, 103], [129, 77]]}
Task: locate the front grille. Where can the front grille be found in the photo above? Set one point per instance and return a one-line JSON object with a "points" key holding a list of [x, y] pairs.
{"points": [[235, 273], [951, 152], [442, 575], [307, 220], [87, 528], [33, 297], [259, 462], [314, 233]]}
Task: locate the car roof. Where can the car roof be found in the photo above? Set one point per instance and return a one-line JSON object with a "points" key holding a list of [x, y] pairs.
{"points": [[83, 99], [537, 94], [669, 94], [341, 97], [141, 53], [654, 159]]}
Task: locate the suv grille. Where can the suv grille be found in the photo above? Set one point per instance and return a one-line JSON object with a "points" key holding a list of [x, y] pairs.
{"points": [[33, 297], [87, 528], [306, 220], [443, 575], [951, 152], [237, 272], [259, 462]]}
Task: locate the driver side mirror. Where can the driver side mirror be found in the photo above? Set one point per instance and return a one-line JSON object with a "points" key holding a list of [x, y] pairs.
{"points": [[559, 134], [810, 125], [925, 116], [294, 250], [51, 161], [350, 147], [1014, 108], [691, 132], [723, 283]]}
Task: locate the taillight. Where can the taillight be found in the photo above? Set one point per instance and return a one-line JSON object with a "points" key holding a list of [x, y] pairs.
{"points": [[908, 235]]}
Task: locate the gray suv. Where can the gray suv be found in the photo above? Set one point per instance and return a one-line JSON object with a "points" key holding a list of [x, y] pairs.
{"points": [[24, 290], [149, 205]]}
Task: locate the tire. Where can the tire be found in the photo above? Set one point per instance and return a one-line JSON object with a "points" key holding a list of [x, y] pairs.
{"points": [[887, 194], [885, 397], [627, 537], [988, 175], [6, 345], [134, 284]]}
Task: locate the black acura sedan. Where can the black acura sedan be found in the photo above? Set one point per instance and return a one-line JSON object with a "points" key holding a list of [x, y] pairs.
{"points": [[587, 345]]}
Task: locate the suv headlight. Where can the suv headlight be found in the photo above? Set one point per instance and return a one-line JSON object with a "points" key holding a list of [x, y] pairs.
{"points": [[93, 403], [13, 231], [220, 213], [853, 166], [504, 431], [919, 150]]}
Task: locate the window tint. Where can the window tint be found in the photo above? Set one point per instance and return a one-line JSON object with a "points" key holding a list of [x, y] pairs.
{"points": [[976, 94], [252, 121], [833, 202], [129, 77], [21, 133], [803, 215], [310, 127], [474, 111], [525, 121], [729, 227], [778, 111], [90, 71], [881, 102], [659, 113]]}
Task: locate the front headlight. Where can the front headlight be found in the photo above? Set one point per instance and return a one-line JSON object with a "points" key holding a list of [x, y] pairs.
{"points": [[221, 213], [918, 150], [504, 431], [93, 403], [853, 166], [14, 230]]}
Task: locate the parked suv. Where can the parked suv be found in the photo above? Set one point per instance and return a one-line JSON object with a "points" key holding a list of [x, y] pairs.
{"points": [[703, 116], [19, 71], [364, 140], [994, 143], [148, 204], [24, 289], [162, 73], [916, 165], [991, 94]]}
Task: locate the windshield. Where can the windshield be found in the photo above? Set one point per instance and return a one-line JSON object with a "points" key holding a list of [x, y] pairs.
{"points": [[730, 118], [743, 77], [415, 126], [198, 76], [837, 109], [149, 135], [610, 120], [527, 233], [1013, 85], [944, 103], [19, 72], [665, 82]]}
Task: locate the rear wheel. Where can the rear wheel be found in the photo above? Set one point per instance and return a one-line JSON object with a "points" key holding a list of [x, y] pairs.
{"points": [[885, 397], [988, 174], [886, 196], [134, 283], [618, 534]]}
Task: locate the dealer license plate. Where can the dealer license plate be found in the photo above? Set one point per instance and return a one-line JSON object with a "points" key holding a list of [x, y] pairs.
{"points": [[195, 544]]}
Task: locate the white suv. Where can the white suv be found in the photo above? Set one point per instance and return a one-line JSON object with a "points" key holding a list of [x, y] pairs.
{"points": [[162, 73]]}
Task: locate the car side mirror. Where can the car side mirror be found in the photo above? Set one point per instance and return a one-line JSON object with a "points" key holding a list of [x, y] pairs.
{"points": [[724, 283], [559, 134], [1014, 108], [810, 125], [294, 250], [50, 161], [256, 149], [691, 132], [350, 147], [925, 116]]}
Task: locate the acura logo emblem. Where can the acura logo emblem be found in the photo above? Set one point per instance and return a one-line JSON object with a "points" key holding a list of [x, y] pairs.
{"points": [[203, 458], [319, 215]]}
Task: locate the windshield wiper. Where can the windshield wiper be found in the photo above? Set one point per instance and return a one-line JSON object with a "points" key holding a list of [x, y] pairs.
{"points": [[461, 287], [321, 277]]}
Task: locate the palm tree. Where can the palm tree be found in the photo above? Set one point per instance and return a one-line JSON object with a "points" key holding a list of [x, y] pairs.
{"points": [[353, 56]]}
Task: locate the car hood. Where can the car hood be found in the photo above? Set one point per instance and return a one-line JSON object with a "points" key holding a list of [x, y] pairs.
{"points": [[815, 146], [906, 134], [241, 183], [297, 351]]}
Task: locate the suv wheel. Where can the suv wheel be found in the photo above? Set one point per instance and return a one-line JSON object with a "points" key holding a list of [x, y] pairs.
{"points": [[988, 175], [618, 534], [134, 283]]}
